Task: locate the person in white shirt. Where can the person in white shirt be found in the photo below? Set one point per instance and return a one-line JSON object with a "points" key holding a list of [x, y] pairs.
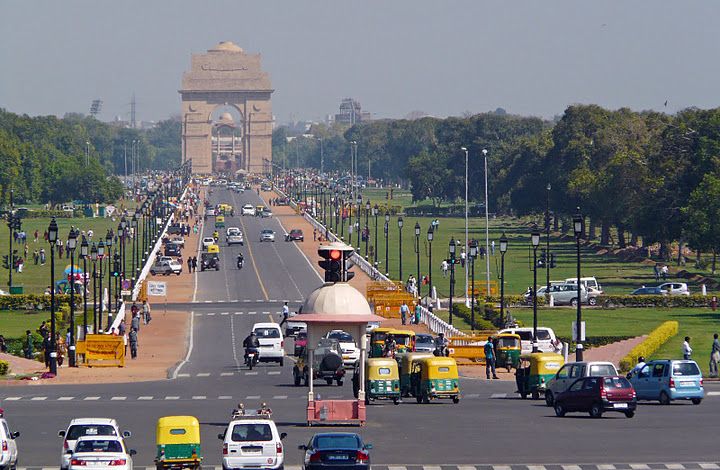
{"points": [[638, 367], [687, 350]]}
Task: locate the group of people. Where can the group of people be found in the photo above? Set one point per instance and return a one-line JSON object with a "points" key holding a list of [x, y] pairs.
{"points": [[405, 314], [139, 315], [660, 272]]}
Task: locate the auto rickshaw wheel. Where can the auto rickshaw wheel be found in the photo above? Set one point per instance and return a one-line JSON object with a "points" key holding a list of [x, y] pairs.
{"points": [[535, 395], [456, 400], [328, 381], [425, 398], [549, 398], [396, 401]]}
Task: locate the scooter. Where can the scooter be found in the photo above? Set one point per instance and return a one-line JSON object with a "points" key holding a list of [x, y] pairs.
{"points": [[240, 263], [251, 359]]}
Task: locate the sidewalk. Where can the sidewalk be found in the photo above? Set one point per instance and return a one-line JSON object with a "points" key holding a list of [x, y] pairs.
{"points": [[161, 344]]}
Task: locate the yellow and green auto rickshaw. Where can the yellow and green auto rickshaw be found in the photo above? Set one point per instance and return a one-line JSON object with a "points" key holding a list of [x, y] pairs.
{"points": [[535, 370], [382, 380], [377, 341], [433, 378], [404, 340], [405, 361], [508, 349], [178, 443], [220, 221]]}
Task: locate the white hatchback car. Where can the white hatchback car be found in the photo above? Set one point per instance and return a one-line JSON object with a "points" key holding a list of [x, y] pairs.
{"points": [[675, 288], [272, 345], [252, 442], [98, 452], [93, 427], [247, 209], [207, 241], [8, 449]]}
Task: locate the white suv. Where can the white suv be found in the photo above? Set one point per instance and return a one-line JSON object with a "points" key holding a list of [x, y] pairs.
{"points": [[8, 446], [271, 342], [86, 427], [252, 442], [247, 209], [350, 351]]}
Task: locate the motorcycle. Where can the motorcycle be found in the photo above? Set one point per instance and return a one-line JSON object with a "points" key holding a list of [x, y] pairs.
{"points": [[240, 263], [441, 351], [251, 358]]}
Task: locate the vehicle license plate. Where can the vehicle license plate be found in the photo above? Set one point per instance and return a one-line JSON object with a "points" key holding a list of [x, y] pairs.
{"points": [[337, 457], [620, 405], [687, 383]]}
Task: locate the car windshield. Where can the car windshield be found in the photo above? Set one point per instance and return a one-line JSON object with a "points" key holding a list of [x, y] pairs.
{"points": [[685, 368], [267, 232], [97, 445], [424, 339], [507, 342], [251, 432], [525, 335], [337, 442], [543, 335], [616, 382], [342, 337], [79, 430], [267, 332], [602, 369]]}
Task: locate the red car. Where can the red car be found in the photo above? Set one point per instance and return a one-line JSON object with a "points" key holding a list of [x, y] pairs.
{"points": [[295, 235], [597, 395], [300, 342]]}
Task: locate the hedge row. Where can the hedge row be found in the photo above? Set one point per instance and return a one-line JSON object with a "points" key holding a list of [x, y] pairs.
{"points": [[514, 300], [46, 214], [35, 301], [4, 367], [593, 341], [610, 301], [652, 343]]}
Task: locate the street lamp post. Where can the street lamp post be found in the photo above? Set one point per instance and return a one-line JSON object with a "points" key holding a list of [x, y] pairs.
{"points": [[52, 238], [133, 248], [101, 256], [430, 235], [359, 202], [375, 247], [366, 231], [467, 248], [547, 241], [387, 229], [535, 241], [473, 255], [503, 249], [71, 243], [123, 236], [400, 226], [93, 257], [84, 253], [487, 225], [452, 248], [109, 245], [578, 228], [417, 256]]}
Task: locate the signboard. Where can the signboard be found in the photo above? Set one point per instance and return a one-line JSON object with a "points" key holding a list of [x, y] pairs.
{"points": [[125, 292], [104, 351], [157, 288]]}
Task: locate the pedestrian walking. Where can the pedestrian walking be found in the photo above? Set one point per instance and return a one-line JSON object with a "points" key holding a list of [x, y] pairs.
{"points": [[686, 349], [46, 349], [418, 312], [462, 257], [133, 340], [404, 311], [489, 349], [29, 347], [122, 328], [714, 356], [35, 237], [656, 272], [135, 322], [314, 235], [36, 257], [492, 247], [42, 257], [194, 264], [444, 267], [189, 263], [26, 250], [146, 312], [285, 314], [665, 272]]}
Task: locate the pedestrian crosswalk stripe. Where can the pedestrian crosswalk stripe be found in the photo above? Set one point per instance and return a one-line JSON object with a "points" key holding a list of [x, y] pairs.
{"points": [[118, 398], [13, 398], [224, 313], [239, 313], [224, 397], [709, 466], [266, 313], [203, 374], [274, 372], [145, 398], [674, 466], [712, 394], [65, 398], [226, 374], [252, 397], [183, 375], [472, 395], [639, 466], [91, 398], [199, 397], [499, 395], [541, 467], [172, 398], [571, 467], [606, 467], [252, 313], [280, 397], [38, 398], [210, 314], [251, 373]]}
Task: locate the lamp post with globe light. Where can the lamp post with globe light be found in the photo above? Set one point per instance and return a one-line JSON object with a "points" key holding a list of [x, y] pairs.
{"points": [[84, 253], [579, 229], [430, 236], [71, 244], [52, 238], [417, 257], [503, 250], [535, 241], [400, 226]]}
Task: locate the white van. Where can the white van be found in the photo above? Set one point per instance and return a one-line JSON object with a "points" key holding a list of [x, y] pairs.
{"points": [[545, 336], [590, 283], [272, 346]]}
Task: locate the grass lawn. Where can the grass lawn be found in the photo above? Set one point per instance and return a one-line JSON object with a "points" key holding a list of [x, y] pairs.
{"points": [[14, 323], [35, 278]]}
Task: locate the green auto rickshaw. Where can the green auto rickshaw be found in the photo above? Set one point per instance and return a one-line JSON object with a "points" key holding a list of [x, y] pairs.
{"points": [[382, 381], [534, 371], [433, 378], [178, 443], [507, 349], [377, 341], [405, 361]]}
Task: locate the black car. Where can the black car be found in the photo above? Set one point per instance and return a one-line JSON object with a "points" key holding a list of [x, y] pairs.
{"points": [[175, 229], [172, 249], [336, 450], [295, 235], [209, 261]]}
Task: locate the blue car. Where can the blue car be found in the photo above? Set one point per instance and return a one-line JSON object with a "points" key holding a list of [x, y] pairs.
{"points": [[666, 380]]}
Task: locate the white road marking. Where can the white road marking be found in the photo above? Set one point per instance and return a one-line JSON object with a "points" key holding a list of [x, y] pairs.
{"points": [[280, 397], [402, 468], [224, 397], [252, 313], [199, 397], [190, 347], [183, 375], [13, 398], [465, 467], [211, 314], [198, 314], [224, 313], [145, 398], [274, 372], [669, 466], [232, 340], [251, 373], [91, 398], [118, 398], [208, 301], [172, 398], [203, 374], [499, 395], [252, 397], [712, 394], [65, 398], [604, 466], [709, 466], [502, 467], [472, 395], [38, 398], [571, 467], [266, 313], [432, 467], [239, 313], [639, 466], [227, 374]]}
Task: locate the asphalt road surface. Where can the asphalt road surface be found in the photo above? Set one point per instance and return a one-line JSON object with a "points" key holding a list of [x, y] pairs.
{"points": [[490, 425]]}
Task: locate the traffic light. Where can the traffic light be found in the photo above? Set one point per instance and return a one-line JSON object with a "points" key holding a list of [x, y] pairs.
{"points": [[332, 263], [552, 260], [347, 266], [116, 266], [542, 259]]}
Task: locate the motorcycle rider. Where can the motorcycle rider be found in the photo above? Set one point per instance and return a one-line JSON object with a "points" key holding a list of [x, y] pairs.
{"points": [[441, 345], [216, 235], [251, 344], [240, 260]]}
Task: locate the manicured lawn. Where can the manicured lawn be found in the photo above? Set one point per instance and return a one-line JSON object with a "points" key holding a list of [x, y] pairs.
{"points": [[13, 323]]}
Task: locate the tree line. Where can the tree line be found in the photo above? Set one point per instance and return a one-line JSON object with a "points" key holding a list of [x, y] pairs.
{"points": [[43, 158], [646, 174]]}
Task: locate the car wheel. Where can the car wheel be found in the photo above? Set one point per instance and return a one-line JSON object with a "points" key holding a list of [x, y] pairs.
{"points": [[282, 361], [574, 302], [664, 398], [559, 410], [535, 395], [629, 414], [329, 381], [596, 410], [592, 301], [549, 399], [696, 401], [339, 382]]}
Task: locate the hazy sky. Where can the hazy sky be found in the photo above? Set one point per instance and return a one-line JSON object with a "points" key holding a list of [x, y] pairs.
{"points": [[443, 57]]}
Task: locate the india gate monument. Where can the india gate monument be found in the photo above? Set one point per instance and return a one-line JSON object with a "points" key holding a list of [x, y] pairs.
{"points": [[226, 112]]}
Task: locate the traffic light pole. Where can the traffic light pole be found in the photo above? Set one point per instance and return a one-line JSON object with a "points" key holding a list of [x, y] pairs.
{"points": [[11, 226]]}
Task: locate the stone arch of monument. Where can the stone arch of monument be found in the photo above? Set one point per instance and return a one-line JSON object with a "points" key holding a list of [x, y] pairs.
{"points": [[226, 76]]}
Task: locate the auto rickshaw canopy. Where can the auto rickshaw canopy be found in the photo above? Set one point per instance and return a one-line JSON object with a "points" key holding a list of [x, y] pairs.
{"points": [[213, 248], [431, 368], [381, 368], [177, 430], [542, 363]]}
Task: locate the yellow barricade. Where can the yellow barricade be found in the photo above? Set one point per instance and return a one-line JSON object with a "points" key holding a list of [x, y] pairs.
{"points": [[480, 288], [470, 347], [142, 295], [387, 304], [104, 351]]}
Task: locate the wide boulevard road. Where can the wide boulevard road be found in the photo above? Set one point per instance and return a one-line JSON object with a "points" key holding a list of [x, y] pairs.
{"points": [[490, 425]]}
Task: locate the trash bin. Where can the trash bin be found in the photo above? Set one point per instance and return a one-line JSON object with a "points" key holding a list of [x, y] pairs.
{"points": [[101, 211], [87, 211], [16, 290]]}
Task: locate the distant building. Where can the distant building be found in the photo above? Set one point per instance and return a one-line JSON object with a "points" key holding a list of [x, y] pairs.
{"points": [[351, 112]]}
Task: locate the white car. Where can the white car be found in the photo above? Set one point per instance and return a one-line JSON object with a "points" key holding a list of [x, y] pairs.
{"points": [[572, 371], [207, 241], [247, 209], [675, 288], [272, 345], [545, 336], [101, 452], [252, 442], [267, 235], [350, 351], [93, 427], [210, 212], [234, 235], [8, 450]]}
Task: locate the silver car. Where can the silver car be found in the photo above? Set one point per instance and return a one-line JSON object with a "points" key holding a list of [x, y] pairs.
{"points": [[267, 235]]}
